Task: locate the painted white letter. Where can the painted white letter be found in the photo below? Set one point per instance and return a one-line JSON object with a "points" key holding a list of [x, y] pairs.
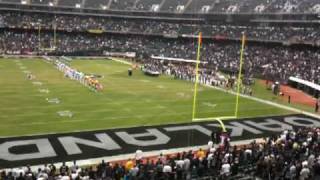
{"points": [[45, 150], [160, 138], [70, 143]]}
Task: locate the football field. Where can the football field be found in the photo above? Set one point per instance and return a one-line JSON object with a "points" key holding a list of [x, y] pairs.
{"points": [[52, 103]]}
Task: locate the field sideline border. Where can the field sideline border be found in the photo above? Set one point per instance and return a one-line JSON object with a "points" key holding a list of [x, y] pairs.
{"points": [[121, 61], [267, 102]]}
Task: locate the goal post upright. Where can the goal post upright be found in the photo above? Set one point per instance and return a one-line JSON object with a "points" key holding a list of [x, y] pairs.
{"points": [[194, 107], [221, 118], [236, 113], [197, 77]]}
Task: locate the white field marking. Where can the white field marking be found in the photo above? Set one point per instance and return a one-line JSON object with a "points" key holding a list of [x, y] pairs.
{"points": [[214, 118], [147, 154], [26, 72], [161, 107], [117, 118], [89, 112], [198, 89], [53, 100], [121, 61], [33, 114], [143, 101], [131, 93], [180, 94], [140, 80], [155, 90], [38, 83], [183, 95], [145, 81], [112, 103], [148, 100], [101, 110], [12, 94], [77, 131], [119, 103], [66, 113], [127, 109], [161, 87], [46, 91], [268, 102], [209, 104], [86, 130], [22, 67], [140, 116]]}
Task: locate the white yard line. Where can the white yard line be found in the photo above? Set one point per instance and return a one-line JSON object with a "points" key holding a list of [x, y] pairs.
{"points": [[121, 61], [114, 118], [209, 104], [254, 98]]}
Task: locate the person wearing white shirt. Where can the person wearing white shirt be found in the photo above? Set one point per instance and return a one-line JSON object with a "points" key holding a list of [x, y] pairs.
{"points": [[43, 175], [210, 144], [311, 160], [210, 157], [16, 172], [225, 169], [293, 171], [46, 169], [167, 169], [74, 166], [180, 163], [139, 154], [134, 171], [304, 173], [74, 175], [186, 164], [226, 157], [65, 177]]}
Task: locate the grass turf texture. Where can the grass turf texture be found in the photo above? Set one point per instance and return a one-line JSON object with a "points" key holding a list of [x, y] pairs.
{"points": [[125, 101]]}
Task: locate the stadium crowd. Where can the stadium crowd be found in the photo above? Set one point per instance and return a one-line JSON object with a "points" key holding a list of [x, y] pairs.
{"points": [[293, 154], [85, 23], [192, 6], [185, 71], [274, 62]]}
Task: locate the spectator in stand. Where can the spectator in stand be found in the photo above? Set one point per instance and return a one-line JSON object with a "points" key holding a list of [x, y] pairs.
{"points": [[293, 154], [84, 23], [275, 63]]}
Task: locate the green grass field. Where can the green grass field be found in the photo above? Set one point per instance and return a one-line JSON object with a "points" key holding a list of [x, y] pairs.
{"points": [[125, 101]]}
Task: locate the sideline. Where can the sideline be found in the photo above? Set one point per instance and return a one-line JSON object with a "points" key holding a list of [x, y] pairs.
{"points": [[121, 61], [248, 97], [267, 102]]}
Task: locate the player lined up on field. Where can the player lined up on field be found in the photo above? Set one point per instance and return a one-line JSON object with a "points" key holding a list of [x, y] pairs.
{"points": [[88, 80]]}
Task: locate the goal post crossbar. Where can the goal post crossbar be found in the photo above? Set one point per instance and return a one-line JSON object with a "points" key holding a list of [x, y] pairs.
{"points": [[218, 119]]}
